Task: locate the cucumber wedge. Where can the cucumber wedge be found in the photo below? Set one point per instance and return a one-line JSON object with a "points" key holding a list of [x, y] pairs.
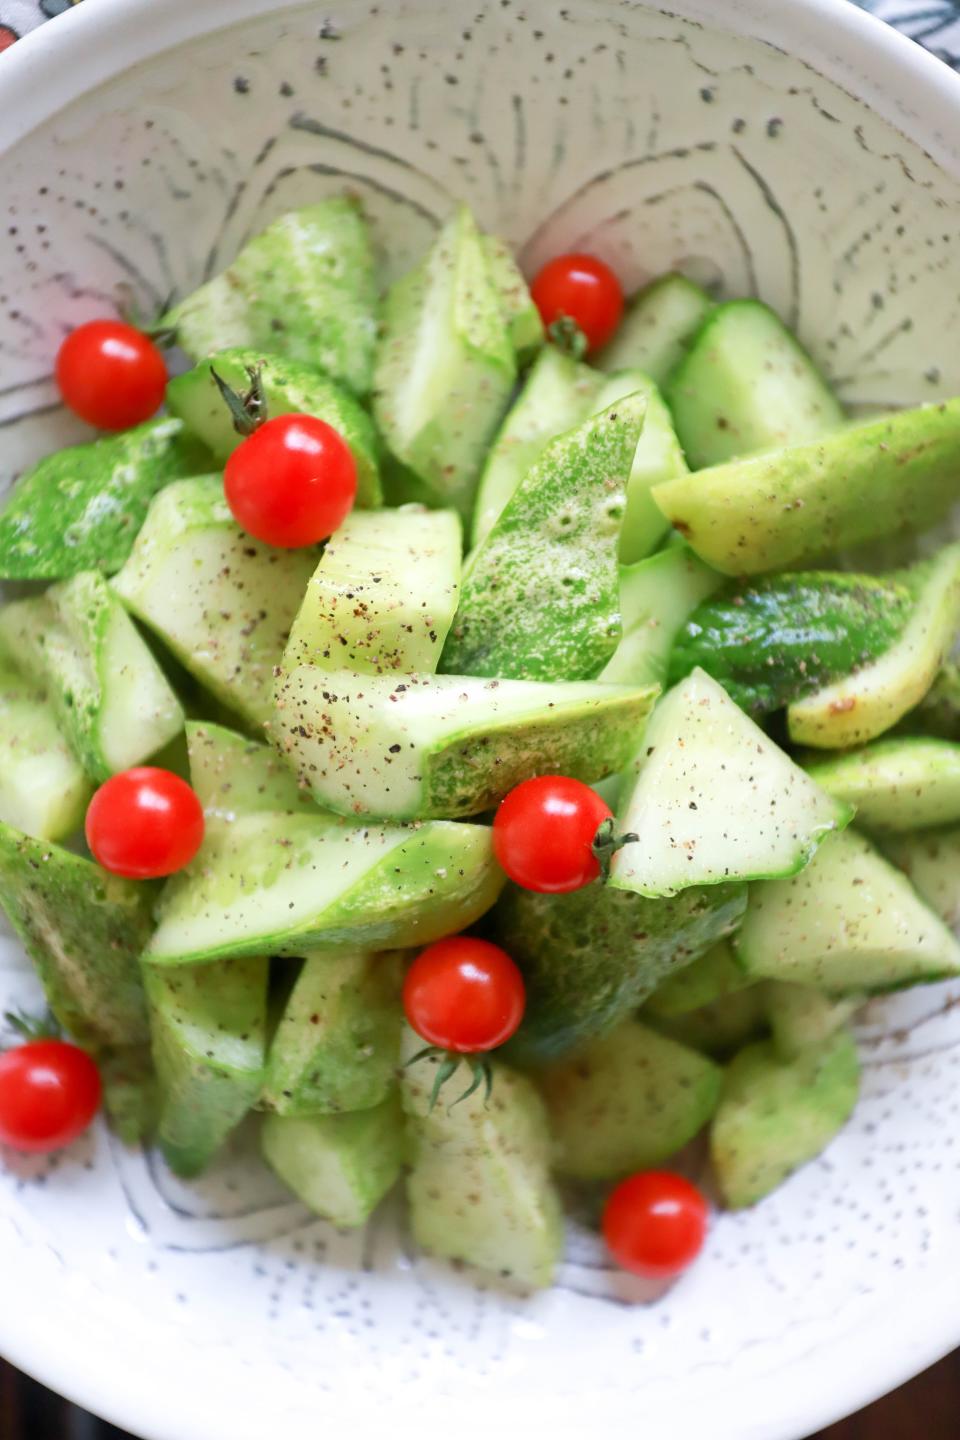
{"points": [[338, 1042], [340, 1166], [802, 1017], [775, 1116], [520, 314], [288, 884], [540, 595], [444, 746], [111, 698], [445, 365], [84, 930], [208, 1027], [305, 288], [781, 509], [862, 706], [786, 636], [43, 789], [627, 1102], [658, 457], [849, 922], [711, 977], [939, 711], [656, 331], [896, 785], [715, 800], [931, 862], [235, 776], [220, 600], [81, 508], [383, 595], [721, 1027], [746, 384], [558, 394], [656, 597], [591, 957], [479, 1186], [131, 1095], [290, 387]]}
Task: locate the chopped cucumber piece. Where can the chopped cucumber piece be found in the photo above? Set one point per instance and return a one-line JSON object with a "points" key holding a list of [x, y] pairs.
{"points": [[235, 776], [208, 1026], [84, 931], [775, 1116], [781, 509], [746, 384], [479, 1186], [540, 594], [939, 711], [849, 922], [441, 746], [290, 388], [558, 394], [627, 1102], [655, 333], [658, 457], [288, 884], [81, 508], [383, 595], [656, 596], [896, 785], [716, 800], [783, 637], [445, 364], [338, 1041], [710, 977], [43, 789], [719, 1028], [591, 957], [931, 862], [520, 314], [220, 600], [112, 700], [862, 706], [305, 288], [131, 1095], [340, 1166], [802, 1017]]}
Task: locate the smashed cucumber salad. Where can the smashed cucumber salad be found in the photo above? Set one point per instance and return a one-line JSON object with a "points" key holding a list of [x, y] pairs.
{"points": [[470, 727]]}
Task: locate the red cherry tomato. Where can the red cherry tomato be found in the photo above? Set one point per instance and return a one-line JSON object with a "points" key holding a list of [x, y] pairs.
{"points": [[110, 374], [655, 1224], [464, 995], [292, 482], [543, 833], [144, 823], [583, 289], [49, 1093]]}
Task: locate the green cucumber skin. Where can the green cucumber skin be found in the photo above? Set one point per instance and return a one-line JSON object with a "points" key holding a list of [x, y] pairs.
{"points": [[775, 1116], [658, 457], [785, 636], [713, 976], [43, 788], [131, 1095], [627, 1102], [540, 599], [81, 508], [721, 1027], [305, 288], [84, 930], [290, 387], [779, 510], [590, 957]]}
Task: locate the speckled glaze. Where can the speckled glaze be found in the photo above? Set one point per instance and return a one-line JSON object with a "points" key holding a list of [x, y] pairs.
{"points": [[222, 1311]]}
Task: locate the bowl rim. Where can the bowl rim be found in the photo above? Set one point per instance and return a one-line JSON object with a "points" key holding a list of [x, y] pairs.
{"points": [[912, 90]]}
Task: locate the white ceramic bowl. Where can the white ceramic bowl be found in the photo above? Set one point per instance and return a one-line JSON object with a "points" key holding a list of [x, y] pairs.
{"points": [[801, 151]]}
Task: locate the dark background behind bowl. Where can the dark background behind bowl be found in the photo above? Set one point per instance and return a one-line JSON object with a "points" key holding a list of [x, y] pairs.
{"points": [[927, 1406]]}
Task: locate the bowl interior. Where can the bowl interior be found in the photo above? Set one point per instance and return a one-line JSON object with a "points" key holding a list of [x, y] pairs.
{"points": [[658, 144]]}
